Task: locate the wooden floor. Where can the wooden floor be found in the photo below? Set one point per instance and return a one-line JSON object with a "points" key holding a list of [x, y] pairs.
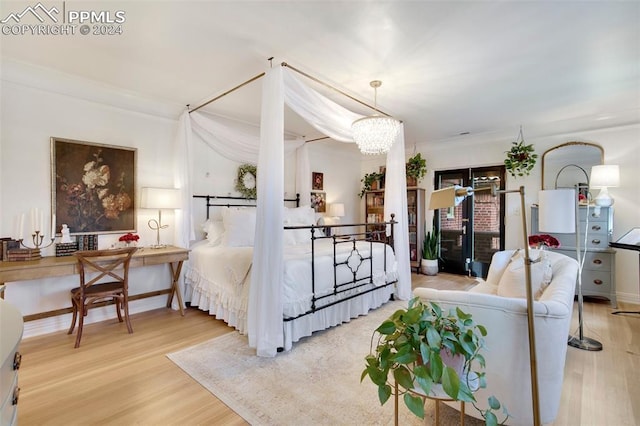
{"points": [[121, 379]]}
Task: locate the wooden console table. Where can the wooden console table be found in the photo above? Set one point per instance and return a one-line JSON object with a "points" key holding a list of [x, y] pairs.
{"points": [[68, 265]]}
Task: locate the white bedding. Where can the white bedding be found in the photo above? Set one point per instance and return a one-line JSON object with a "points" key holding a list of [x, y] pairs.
{"points": [[218, 278]]}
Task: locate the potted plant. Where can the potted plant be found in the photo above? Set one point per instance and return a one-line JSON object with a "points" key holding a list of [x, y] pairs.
{"points": [[416, 168], [521, 158], [369, 182], [407, 349], [430, 255]]}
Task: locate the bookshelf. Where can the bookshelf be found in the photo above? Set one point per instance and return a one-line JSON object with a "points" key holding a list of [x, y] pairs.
{"points": [[374, 212]]}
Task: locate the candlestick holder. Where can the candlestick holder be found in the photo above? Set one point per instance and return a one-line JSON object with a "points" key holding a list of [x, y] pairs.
{"points": [[37, 240]]}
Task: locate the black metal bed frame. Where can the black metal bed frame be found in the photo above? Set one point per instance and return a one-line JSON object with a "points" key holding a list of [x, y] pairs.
{"points": [[353, 262]]}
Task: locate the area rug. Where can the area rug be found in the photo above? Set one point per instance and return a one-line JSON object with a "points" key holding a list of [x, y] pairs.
{"points": [[316, 383]]}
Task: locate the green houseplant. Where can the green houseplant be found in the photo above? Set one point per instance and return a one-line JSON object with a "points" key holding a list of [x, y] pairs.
{"points": [[521, 158], [423, 331], [416, 168], [368, 182], [430, 253]]}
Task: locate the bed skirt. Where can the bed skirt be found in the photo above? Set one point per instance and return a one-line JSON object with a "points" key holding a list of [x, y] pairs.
{"points": [[228, 308], [335, 315]]}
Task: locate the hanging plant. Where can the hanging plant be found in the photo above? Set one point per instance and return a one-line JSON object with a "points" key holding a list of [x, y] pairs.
{"points": [[416, 168], [521, 158], [246, 181]]}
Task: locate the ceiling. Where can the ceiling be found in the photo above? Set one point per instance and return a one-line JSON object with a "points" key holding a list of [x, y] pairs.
{"points": [[447, 67]]}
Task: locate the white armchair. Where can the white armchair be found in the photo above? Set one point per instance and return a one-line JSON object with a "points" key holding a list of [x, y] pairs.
{"points": [[508, 371]]}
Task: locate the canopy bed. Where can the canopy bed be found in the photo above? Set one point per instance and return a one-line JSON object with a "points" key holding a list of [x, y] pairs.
{"points": [[326, 279], [265, 323]]}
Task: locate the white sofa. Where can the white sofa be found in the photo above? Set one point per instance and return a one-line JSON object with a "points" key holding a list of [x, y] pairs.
{"points": [[508, 372]]}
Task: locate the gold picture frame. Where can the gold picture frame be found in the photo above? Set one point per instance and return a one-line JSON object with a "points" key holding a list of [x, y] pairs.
{"points": [[93, 187]]}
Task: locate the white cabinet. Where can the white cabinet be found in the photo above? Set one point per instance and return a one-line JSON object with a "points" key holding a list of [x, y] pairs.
{"points": [[11, 327]]}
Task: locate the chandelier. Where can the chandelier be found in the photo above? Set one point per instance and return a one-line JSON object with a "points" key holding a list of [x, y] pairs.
{"points": [[375, 134]]}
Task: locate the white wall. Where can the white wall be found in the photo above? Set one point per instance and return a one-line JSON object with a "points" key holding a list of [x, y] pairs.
{"points": [[37, 105]]}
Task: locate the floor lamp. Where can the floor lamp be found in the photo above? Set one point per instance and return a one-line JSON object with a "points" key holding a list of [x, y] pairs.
{"points": [[559, 213], [453, 196]]}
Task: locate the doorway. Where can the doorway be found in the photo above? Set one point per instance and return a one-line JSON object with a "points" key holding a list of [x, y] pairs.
{"points": [[473, 230]]}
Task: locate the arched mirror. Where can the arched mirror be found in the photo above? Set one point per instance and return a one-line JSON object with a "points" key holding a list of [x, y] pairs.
{"points": [[558, 162]]}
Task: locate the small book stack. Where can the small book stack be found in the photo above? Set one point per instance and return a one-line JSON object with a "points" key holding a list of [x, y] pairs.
{"points": [[18, 254], [8, 244], [66, 249]]}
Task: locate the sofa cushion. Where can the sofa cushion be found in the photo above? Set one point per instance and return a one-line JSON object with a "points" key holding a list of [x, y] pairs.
{"points": [[513, 280]]}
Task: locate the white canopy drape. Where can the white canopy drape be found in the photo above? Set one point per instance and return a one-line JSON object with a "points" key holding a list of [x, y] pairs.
{"points": [[280, 86]]}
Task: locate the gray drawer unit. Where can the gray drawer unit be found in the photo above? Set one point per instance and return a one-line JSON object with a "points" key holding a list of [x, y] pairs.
{"points": [[11, 326], [598, 273]]}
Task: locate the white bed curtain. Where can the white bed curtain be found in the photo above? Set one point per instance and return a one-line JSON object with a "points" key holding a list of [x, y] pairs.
{"points": [[280, 86]]}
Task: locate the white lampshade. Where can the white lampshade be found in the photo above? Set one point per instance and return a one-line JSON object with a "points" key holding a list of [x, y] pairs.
{"points": [[375, 134], [336, 210], [604, 176], [160, 198], [557, 211]]}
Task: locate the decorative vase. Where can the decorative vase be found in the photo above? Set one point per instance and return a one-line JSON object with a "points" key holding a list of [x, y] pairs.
{"points": [[412, 181], [454, 361], [429, 266]]}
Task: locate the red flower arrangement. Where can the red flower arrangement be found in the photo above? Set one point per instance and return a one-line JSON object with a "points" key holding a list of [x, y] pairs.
{"points": [[128, 238], [537, 241]]}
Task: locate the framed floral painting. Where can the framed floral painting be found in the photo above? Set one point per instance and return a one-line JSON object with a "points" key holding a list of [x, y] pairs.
{"points": [[93, 187]]}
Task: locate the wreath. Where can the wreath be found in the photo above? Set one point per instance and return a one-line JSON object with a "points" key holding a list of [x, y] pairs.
{"points": [[521, 158], [246, 181]]}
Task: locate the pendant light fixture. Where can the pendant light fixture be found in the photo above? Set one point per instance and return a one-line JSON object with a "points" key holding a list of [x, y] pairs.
{"points": [[375, 134]]}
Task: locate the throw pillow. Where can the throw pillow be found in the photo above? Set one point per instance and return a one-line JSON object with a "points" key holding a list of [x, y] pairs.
{"points": [[513, 280], [213, 230], [239, 227]]}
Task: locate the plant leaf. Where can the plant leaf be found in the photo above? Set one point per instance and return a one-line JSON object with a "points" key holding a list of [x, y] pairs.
{"points": [[450, 382], [386, 328], [379, 377], [433, 338], [405, 355], [494, 403], [384, 392], [402, 375], [415, 404], [435, 366], [490, 419]]}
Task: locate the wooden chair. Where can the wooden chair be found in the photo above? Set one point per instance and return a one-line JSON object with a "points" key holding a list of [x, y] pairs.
{"points": [[95, 266]]}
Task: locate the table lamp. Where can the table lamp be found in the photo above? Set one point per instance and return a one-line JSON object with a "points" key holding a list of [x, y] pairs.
{"points": [[603, 177], [336, 210], [159, 198]]}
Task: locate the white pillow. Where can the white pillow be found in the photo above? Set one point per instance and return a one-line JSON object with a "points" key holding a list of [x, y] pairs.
{"points": [[294, 237], [513, 281], [304, 215], [239, 226], [213, 230]]}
